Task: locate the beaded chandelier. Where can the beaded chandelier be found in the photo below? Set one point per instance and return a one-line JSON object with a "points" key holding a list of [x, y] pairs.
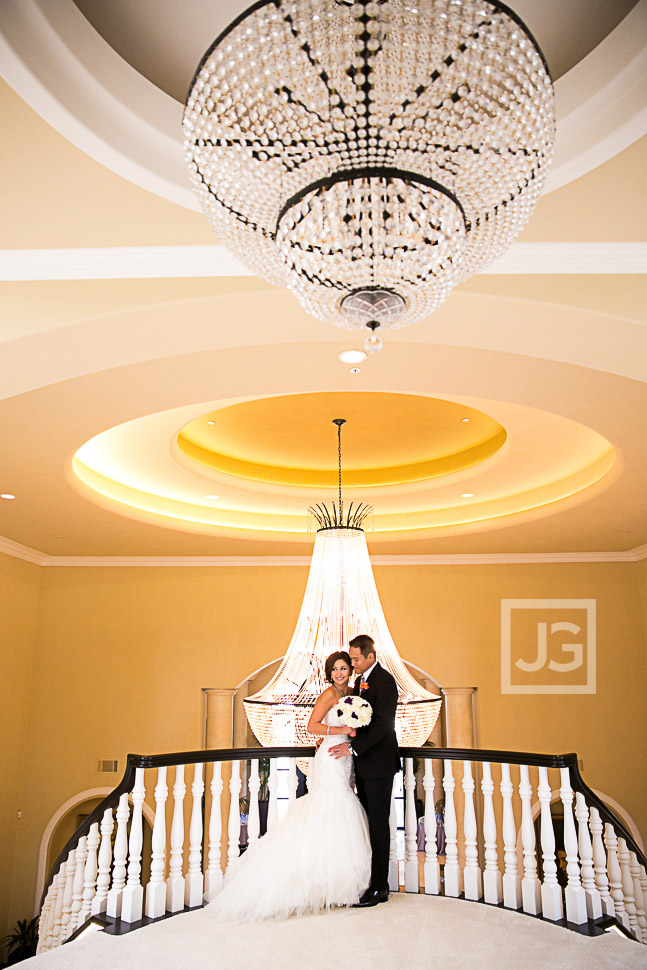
{"points": [[370, 155], [340, 601]]}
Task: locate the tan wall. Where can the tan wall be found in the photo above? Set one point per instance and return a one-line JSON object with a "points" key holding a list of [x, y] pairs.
{"points": [[19, 586], [122, 655]]}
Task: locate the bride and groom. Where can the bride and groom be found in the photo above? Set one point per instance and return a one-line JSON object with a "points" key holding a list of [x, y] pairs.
{"points": [[330, 849]]}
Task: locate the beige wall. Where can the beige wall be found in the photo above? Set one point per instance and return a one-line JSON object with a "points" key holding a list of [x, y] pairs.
{"points": [[19, 586], [122, 655]]}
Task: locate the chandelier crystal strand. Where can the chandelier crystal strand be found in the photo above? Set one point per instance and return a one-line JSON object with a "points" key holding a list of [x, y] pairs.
{"points": [[389, 147]]}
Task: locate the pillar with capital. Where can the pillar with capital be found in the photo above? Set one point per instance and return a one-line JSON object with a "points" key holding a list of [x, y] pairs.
{"points": [[459, 725], [219, 733]]}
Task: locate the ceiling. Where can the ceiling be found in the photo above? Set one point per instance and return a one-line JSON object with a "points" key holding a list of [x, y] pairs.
{"points": [[131, 365]]}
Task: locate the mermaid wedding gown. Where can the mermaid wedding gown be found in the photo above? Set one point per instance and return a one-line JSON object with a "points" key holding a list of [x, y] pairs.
{"points": [[317, 856]]}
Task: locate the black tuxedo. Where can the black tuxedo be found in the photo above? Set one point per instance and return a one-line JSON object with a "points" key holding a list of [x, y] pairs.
{"points": [[376, 761]]}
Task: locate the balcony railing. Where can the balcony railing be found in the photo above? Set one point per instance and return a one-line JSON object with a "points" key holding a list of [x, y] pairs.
{"points": [[590, 873]]}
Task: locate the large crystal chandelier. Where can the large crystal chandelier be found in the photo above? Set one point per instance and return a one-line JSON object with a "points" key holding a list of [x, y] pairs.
{"points": [[370, 155], [340, 602]]}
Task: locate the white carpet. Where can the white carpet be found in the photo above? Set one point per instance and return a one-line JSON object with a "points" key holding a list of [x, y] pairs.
{"points": [[407, 933]]}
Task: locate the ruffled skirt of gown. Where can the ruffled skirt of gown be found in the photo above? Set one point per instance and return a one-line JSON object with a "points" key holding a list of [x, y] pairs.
{"points": [[317, 856]]}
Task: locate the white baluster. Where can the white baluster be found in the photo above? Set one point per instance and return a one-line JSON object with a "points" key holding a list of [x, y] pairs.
{"points": [[452, 871], [511, 880], [70, 870], [44, 921], [411, 883], [574, 894], [627, 885], [492, 888], [55, 938], [600, 864], [233, 830], [175, 881], [132, 899], [156, 888], [253, 817], [530, 885], [213, 875], [643, 887], [615, 875], [552, 905], [639, 897], [99, 901], [194, 878], [394, 864], [593, 901], [89, 873], [432, 866], [293, 781], [77, 885], [113, 903], [273, 785], [472, 877]]}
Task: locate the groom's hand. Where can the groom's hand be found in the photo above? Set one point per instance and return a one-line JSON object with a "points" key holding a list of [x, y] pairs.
{"points": [[340, 750]]}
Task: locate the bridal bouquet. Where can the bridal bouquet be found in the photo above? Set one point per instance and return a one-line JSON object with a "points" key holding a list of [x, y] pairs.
{"points": [[353, 711]]}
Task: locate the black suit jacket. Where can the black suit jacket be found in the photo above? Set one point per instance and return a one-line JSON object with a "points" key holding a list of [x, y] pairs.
{"points": [[376, 745]]}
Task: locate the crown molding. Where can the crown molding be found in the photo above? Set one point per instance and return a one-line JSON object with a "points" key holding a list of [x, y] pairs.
{"points": [[183, 262], [19, 551]]}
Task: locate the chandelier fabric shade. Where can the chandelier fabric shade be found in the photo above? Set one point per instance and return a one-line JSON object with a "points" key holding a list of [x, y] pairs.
{"points": [[396, 146], [340, 601]]}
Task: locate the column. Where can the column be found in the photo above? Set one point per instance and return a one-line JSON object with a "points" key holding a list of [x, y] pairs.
{"points": [[240, 718], [219, 734], [459, 718]]}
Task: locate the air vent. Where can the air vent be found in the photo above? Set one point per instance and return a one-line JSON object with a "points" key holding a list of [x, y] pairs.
{"points": [[110, 766]]}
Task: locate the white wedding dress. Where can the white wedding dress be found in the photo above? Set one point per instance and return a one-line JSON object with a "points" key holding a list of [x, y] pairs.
{"points": [[317, 856]]}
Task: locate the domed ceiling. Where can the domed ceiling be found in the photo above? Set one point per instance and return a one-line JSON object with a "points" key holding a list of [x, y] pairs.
{"points": [[157, 400]]}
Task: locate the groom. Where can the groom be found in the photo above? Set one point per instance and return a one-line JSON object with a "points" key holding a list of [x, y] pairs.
{"points": [[375, 748]]}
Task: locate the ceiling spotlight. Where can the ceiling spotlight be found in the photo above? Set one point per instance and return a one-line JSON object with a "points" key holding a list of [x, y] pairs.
{"points": [[7, 495], [351, 356], [354, 370], [211, 422], [467, 494], [465, 420], [373, 343], [213, 498]]}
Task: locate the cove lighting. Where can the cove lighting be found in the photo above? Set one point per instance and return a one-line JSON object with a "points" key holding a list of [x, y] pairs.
{"points": [[351, 356]]}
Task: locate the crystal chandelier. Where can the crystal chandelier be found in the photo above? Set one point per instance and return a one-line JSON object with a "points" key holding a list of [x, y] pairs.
{"points": [[370, 155], [340, 601]]}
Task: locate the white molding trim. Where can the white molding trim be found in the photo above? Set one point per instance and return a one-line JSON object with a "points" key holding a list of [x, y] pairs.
{"points": [[26, 553], [193, 262], [19, 551], [55, 60]]}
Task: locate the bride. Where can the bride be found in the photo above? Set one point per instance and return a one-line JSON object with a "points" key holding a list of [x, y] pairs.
{"points": [[318, 855]]}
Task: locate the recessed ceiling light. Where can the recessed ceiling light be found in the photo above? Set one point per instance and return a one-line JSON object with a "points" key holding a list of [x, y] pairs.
{"points": [[351, 356], [464, 420], [354, 370], [211, 422], [467, 494], [7, 495], [214, 498]]}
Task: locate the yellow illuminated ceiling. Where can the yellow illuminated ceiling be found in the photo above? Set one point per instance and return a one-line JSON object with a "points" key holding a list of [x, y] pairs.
{"points": [[453, 464], [388, 439]]}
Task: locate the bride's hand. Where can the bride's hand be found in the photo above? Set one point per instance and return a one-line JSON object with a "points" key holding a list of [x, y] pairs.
{"points": [[352, 734]]}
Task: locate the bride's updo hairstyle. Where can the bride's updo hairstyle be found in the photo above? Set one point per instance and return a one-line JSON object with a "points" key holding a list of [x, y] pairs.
{"points": [[332, 660]]}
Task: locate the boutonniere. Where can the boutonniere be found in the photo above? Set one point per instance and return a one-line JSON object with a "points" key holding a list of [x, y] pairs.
{"points": [[364, 685]]}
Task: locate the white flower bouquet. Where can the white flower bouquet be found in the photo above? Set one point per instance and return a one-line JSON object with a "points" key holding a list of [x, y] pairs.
{"points": [[353, 712]]}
